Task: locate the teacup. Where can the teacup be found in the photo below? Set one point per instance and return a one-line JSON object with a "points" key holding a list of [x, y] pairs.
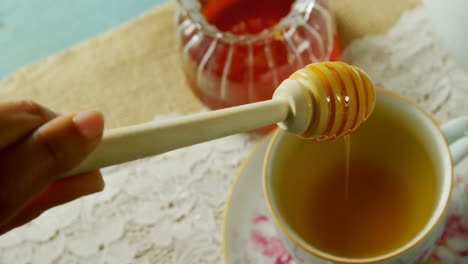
{"points": [[392, 206]]}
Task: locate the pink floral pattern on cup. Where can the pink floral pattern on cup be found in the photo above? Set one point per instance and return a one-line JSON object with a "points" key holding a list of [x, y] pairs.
{"points": [[270, 246], [451, 248]]}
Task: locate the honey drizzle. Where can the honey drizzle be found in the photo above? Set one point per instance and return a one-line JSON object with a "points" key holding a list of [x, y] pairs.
{"points": [[343, 98], [343, 92], [369, 96], [331, 102], [357, 120]]}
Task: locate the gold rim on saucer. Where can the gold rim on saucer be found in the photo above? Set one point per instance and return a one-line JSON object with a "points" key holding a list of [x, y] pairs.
{"points": [[234, 182]]}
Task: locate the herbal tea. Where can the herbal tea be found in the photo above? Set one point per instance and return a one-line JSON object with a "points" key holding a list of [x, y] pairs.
{"points": [[386, 199]]}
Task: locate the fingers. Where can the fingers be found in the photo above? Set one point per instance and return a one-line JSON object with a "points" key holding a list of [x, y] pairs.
{"points": [[60, 192], [18, 119], [45, 156], [60, 145]]}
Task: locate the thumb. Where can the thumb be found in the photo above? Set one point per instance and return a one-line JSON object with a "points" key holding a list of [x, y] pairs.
{"points": [[64, 142]]}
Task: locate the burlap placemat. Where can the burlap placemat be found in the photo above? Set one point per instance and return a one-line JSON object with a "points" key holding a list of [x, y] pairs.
{"points": [[132, 72]]}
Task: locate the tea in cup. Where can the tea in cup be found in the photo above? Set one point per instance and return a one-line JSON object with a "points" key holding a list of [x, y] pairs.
{"points": [[390, 207]]}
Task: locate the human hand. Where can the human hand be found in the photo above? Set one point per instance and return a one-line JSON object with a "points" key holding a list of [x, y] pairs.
{"points": [[37, 147]]}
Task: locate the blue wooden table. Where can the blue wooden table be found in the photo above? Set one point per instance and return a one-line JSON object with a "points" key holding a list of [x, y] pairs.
{"points": [[33, 29]]}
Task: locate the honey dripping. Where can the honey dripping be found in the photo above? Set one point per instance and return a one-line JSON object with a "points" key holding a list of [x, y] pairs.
{"points": [[343, 98]]}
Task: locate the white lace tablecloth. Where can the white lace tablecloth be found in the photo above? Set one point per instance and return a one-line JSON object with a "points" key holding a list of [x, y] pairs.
{"points": [[168, 208]]}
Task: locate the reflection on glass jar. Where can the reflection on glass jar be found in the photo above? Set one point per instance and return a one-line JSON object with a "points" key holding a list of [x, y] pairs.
{"points": [[238, 51]]}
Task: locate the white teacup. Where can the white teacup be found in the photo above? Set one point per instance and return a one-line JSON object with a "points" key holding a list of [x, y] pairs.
{"points": [[435, 141]]}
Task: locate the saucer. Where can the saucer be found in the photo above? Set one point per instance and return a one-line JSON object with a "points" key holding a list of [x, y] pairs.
{"points": [[249, 235]]}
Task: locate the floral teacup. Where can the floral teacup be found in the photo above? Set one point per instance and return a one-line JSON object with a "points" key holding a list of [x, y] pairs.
{"points": [[445, 147]]}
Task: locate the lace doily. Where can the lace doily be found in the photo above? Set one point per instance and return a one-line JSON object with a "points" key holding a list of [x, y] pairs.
{"points": [[167, 209], [161, 209], [410, 61]]}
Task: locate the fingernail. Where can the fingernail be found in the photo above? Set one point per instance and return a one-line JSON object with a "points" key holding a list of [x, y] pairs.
{"points": [[90, 124]]}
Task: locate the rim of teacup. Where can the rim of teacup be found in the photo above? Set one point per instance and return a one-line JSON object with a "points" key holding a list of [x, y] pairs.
{"points": [[441, 205]]}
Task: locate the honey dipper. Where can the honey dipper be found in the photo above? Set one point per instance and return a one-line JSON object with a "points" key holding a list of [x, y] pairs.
{"points": [[321, 101]]}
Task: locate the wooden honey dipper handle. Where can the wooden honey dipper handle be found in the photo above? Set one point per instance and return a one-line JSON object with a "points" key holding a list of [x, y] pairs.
{"points": [[134, 142], [297, 106]]}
